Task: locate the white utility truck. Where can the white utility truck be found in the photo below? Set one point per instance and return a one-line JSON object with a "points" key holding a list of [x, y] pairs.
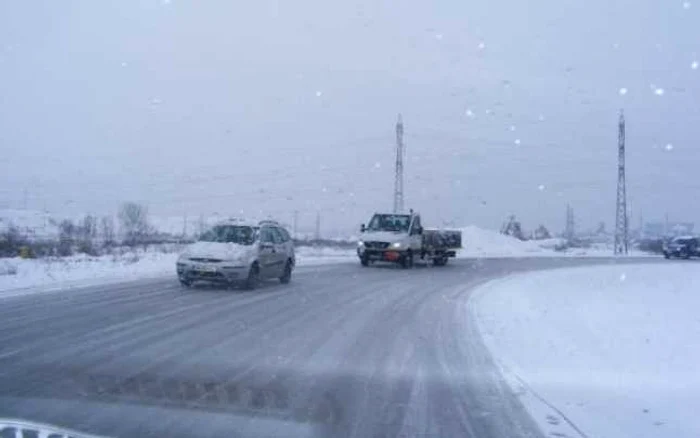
{"points": [[401, 238]]}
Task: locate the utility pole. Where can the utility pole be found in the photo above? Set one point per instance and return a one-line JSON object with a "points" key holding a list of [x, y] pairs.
{"points": [[621, 226], [398, 180], [317, 234]]}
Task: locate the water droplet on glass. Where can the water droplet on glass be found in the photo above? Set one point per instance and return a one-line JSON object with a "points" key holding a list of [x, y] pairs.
{"points": [[541, 187], [623, 91], [517, 141], [659, 91], [438, 36], [623, 277], [481, 46], [469, 113], [124, 64], [512, 128], [694, 65], [541, 118], [669, 147], [686, 5], [377, 165], [319, 93]]}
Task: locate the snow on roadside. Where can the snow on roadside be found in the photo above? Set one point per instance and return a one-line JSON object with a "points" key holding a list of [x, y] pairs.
{"points": [[77, 270], [610, 350]]}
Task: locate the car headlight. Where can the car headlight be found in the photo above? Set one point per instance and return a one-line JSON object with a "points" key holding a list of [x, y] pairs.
{"points": [[360, 243], [396, 245]]}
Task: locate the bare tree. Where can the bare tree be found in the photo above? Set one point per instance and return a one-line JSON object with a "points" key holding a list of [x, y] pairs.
{"points": [[87, 232], [66, 235], [133, 219], [541, 233], [107, 230], [513, 228]]}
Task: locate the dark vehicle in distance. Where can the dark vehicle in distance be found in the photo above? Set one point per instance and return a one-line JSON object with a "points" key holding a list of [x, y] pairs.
{"points": [[682, 247]]}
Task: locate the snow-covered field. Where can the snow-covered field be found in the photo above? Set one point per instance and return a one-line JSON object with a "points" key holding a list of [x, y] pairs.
{"points": [[59, 272], [613, 351]]}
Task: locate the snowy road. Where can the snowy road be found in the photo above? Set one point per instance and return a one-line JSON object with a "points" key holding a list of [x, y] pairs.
{"points": [[343, 351]]}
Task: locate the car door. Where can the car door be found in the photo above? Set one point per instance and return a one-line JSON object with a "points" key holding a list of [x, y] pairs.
{"points": [[280, 255], [268, 251]]}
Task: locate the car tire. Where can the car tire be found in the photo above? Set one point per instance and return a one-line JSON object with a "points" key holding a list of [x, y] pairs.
{"points": [[185, 283], [364, 261], [251, 283], [407, 260], [287, 275], [667, 255], [685, 255]]}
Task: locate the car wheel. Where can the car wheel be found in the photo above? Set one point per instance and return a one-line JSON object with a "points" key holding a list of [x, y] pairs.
{"points": [[185, 283], [685, 255], [364, 261], [253, 277], [287, 275], [667, 255], [407, 260]]}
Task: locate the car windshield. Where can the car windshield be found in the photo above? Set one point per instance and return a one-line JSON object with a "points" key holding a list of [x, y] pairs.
{"points": [[241, 235], [684, 241], [389, 222]]}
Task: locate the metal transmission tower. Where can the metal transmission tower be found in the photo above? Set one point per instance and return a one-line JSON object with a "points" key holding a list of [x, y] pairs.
{"points": [[569, 231], [398, 182], [621, 226]]}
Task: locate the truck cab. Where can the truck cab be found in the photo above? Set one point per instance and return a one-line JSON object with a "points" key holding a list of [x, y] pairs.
{"points": [[392, 237]]}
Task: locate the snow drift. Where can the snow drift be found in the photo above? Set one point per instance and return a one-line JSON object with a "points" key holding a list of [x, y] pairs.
{"points": [[612, 351]]}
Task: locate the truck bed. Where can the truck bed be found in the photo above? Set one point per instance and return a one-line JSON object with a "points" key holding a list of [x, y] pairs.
{"points": [[442, 239]]}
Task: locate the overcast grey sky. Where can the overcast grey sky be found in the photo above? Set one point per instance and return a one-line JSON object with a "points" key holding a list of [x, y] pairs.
{"points": [[227, 106]]}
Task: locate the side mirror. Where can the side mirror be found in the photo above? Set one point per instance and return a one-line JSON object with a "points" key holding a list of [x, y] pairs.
{"points": [[362, 228]]}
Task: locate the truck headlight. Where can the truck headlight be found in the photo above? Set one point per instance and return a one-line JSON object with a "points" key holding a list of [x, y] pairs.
{"points": [[396, 245], [360, 243]]}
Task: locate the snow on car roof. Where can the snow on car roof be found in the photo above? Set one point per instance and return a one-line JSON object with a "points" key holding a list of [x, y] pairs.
{"points": [[247, 222]]}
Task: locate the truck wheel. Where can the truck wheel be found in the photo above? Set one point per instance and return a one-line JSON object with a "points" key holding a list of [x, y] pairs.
{"points": [[440, 261], [407, 260]]}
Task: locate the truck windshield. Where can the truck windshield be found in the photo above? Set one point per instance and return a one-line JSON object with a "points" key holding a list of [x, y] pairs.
{"points": [[241, 235], [389, 222]]}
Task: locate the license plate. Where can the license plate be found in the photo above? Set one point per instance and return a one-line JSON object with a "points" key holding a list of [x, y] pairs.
{"points": [[206, 268]]}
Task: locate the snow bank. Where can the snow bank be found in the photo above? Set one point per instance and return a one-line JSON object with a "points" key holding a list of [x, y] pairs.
{"points": [[478, 242], [311, 256], [19, 273], [612, 350], [83, 269]]}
